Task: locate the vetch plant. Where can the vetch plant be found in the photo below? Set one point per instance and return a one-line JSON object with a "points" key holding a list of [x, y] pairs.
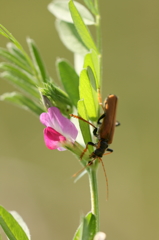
{"points": [[40, 94]]}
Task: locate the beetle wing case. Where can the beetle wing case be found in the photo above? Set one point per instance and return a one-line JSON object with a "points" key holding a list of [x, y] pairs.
{"points": [[106, 130]]}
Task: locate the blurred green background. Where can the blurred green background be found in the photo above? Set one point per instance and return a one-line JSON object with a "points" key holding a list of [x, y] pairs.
{"points": [[35, 181]]}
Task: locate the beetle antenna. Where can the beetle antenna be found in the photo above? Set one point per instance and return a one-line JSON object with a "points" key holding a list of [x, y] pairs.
{"points": [[88, 164], [75, 174], [105, 174], [106, 178], [75, 116]]}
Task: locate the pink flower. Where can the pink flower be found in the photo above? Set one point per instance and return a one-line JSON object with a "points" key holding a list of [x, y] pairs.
{"points": [[58, 129]]}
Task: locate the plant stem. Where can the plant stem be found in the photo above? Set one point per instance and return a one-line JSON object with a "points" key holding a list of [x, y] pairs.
{"points": [[94, 195], [99, 39], [98, 28]]}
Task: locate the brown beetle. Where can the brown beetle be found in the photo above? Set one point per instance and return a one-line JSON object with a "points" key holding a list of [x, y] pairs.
{"points": [[104, 132]]}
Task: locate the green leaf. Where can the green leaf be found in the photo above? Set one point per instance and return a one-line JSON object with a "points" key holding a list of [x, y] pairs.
{"points": [[22, 101], [19, 55], [77, 234], [88, 92], [20, 84], [94, 87], [60, 10], [87, 228], [14, 60], [19, 72], [70, 37], [37, 60], [7, 34], [69, 79], [92, 60], [10, 226], [90, 5], [81, 27], [85, 127], [91, 220]]}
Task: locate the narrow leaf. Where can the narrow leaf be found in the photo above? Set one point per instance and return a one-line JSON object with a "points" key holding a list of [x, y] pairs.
{"points": [[7, 34], [92, 60], [91, 219], [10, 226], [94, 87], [77, 233], [22, 101], [20, 84], [70, 37], [88, 92], [37, 60], [81, 27], [69, 79], [14, 60], [19, 72], [87, 228], [60, 10], [21, 222], [19, 55]]}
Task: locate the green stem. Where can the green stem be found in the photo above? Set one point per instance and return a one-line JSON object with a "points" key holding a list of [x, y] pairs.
{"points": [[98, 28], [98, 33], [94, 195], [93, 172], [99, 38]]}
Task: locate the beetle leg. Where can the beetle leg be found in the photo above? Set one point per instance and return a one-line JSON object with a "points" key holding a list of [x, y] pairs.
{"points": [[109, 151], [85, 150], [117, 124], [101, 117], [106, 178], [95, 132]]}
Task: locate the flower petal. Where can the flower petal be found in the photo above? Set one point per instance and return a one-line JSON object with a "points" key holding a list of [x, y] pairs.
{"points": [[45, 119], [53, 118], [52, 138]]}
